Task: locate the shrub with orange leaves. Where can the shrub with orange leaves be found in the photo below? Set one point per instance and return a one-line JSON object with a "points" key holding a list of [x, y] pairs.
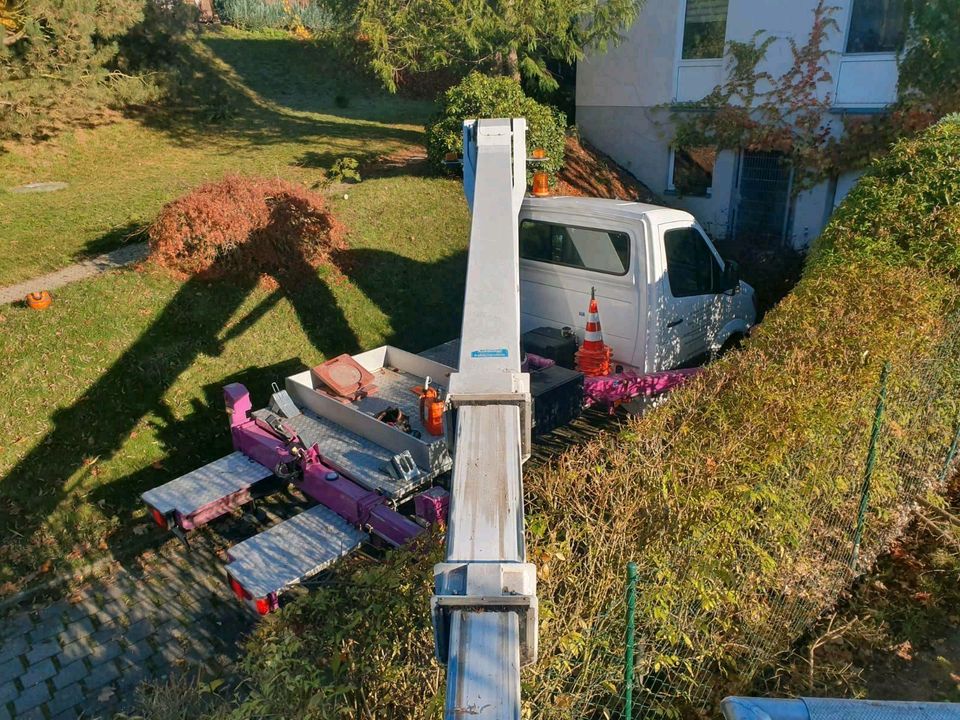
{"points": [[245, 227]]}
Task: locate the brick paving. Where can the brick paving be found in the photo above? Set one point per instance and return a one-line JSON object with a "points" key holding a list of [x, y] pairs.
{"points": [[85, 657]]}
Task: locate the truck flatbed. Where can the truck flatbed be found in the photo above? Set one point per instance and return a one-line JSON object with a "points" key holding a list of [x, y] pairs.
{"points": [[292, 551], [395, 389], [207, 492], [446, 354]]}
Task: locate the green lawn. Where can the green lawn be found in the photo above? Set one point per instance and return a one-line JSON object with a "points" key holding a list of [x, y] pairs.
{"points": [[116, 388], [282, 117]]}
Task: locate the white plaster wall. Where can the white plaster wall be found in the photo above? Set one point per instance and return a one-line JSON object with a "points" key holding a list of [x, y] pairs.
{"points": [[639, 139], [639, 72], [642, 71], [811, 210], [845, 184], [621, 98]]}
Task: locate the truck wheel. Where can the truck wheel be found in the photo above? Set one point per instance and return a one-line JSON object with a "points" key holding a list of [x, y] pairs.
{"points": [[732, 343]]}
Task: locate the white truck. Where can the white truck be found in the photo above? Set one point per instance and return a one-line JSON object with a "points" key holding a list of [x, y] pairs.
{"points": [[355, 435], [667, 299]]}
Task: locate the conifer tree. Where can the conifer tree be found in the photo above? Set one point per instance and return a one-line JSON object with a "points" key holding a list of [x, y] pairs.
{"points": [[502, 37]]}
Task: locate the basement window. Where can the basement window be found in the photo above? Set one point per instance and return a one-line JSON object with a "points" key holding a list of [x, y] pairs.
{"points": [[691, 171], [877, 26], [704, 29]]}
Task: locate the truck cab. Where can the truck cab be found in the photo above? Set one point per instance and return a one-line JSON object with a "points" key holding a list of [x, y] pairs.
{"points": [[667, 299]]}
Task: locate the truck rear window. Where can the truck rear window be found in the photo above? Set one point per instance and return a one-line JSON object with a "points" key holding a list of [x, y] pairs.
{"points": [[585, 248]]}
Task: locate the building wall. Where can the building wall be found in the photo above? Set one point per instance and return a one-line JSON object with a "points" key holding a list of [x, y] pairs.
{"points": [[623, 98]]}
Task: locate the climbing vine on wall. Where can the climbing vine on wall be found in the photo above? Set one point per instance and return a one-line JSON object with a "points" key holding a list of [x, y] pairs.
{"points": [[928, 89], [756, 111]]}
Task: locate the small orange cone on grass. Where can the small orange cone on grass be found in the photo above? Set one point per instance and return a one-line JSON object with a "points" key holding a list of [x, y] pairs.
{"points": [[39, 300]]}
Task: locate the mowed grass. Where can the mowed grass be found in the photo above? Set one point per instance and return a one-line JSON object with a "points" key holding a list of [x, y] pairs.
{"points": [[270, 105], [117, 387]]}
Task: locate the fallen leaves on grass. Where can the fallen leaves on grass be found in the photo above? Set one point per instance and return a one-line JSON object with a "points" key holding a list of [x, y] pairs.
{"points": [[904, 650]]}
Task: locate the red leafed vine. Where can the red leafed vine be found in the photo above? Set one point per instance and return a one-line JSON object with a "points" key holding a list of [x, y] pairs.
{"points": [[753, 110]]}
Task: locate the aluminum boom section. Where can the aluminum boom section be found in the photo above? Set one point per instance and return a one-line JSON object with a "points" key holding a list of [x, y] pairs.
{"points": [[485, 606]]}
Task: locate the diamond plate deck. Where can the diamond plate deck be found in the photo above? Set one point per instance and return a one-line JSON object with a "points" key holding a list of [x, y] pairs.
{"points": [[361, 460], [189, 493], [395, 389], [447, 354], [292, 551]]}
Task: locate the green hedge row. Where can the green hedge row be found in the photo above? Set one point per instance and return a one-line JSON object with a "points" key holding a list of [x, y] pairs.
{"points": [[737, 498]]}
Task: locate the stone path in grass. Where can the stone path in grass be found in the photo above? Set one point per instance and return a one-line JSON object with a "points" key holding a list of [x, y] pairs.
{"points": [[126, 255], [85, 656]]}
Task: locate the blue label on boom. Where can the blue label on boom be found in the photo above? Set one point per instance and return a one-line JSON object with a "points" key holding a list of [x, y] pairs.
{"points": [[501, 353]]}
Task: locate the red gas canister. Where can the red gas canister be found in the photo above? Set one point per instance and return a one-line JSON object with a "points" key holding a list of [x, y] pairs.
{"points": [[431, 409]]}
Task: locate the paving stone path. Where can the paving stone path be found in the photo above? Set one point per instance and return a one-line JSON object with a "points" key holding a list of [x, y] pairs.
{"points": [[84, 657], [118, 258]]}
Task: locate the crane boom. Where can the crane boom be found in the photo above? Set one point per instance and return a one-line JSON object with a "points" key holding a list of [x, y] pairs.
{"points": [[485, 603]]}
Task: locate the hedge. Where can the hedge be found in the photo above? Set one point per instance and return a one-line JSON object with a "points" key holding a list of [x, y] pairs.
{"points": [[737, 497]]}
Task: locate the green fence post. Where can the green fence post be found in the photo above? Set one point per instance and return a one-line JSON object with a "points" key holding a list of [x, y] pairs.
{"points": [[631, 631], [951, 454], [871, 462]]}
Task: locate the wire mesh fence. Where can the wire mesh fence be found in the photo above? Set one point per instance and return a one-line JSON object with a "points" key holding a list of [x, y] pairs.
{"points": [[708, 614]]}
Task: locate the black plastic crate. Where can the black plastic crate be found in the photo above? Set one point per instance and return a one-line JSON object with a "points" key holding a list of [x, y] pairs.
{"points": [[551, 343], [557, 398]]}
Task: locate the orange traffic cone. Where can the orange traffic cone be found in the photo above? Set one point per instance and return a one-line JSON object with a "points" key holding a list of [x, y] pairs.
{"points": [[593, 357]]}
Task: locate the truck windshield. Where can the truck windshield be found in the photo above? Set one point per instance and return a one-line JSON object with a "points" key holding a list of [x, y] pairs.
{"points": [[586, 248]]}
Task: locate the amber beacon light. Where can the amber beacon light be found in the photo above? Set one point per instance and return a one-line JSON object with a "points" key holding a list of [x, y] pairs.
{"points": [[541, 181]]}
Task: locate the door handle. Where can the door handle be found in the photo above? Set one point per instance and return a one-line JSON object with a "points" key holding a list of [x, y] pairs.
{"points": [[674, 323]]}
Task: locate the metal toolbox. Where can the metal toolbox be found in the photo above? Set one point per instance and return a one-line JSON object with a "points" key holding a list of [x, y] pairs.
{"points": [[396, 373]]}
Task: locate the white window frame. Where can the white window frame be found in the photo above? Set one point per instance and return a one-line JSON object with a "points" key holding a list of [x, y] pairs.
{"points": [[671, 187], [680, 62]]}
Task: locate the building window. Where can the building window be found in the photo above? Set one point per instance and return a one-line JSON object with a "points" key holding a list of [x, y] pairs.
{"points": [[877, 26], [583, 248], [704, 29], [691, 171]]}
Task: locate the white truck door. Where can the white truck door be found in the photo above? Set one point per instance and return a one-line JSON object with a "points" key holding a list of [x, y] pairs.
{"points": [[560, 260], [690, 305]]}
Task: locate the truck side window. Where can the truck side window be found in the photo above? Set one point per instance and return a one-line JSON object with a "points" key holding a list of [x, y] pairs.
{"points": [[691, 267], [586, 248]]}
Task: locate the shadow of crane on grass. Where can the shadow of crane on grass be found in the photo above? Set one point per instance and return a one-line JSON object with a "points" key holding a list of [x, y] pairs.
{"points": [[135, 386]]}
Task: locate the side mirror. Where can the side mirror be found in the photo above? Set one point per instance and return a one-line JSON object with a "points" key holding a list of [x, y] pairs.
{"points": [[730, 278]]}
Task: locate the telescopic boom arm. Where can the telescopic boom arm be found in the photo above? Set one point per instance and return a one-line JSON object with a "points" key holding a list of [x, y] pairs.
{"points": [[485, 602]]}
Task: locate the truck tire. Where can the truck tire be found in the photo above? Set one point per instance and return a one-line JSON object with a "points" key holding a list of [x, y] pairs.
{"points": [[731, 343]]}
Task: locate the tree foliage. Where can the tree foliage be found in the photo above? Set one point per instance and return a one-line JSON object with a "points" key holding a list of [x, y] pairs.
{"points": [[479, 96], [506, 37], [64, 59], [930, 67]]}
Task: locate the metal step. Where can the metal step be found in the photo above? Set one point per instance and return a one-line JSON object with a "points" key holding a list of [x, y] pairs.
{"points": [[207, 492], [361, 460], [292, 551]]}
